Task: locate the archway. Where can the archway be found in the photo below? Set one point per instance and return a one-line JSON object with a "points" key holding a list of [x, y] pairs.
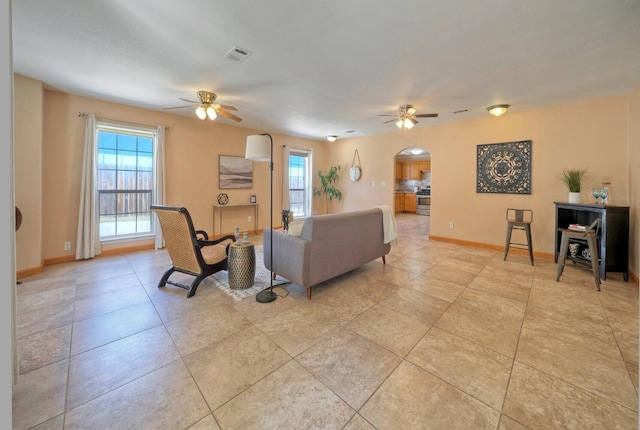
{"points": [[413, 184]]}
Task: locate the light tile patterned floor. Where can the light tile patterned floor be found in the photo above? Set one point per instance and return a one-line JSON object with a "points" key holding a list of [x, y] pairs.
{"points": [[442, 337]]}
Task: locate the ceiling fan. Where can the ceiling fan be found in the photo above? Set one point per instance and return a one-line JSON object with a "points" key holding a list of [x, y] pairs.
{"points": [[206, 108], [407, 117]]}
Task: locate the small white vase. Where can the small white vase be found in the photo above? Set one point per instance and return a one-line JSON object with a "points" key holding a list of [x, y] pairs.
{"points": [[574, 197]]}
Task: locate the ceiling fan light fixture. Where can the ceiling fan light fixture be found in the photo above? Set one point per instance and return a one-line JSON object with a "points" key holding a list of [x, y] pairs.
{"points": [[408, 123], [410, 110], [332, 138], [201, 112], [400, 122], [211, 113], [497, 110]]}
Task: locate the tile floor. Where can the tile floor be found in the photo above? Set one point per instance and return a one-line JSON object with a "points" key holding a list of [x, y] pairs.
{"points": [[442, 337]]}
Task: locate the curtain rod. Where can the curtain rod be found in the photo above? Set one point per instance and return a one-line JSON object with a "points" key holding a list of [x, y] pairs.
{"points": [[82, 114]]}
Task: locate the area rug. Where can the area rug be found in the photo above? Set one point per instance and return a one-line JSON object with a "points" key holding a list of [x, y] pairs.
{"points": [[262, 280]]}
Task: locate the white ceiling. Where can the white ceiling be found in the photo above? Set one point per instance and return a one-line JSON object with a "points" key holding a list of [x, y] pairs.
{"points": [[327, 67]]}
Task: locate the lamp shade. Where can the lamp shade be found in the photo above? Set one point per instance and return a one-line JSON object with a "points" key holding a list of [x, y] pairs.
{"points": [[258, 148], [201, 112], [211, 113]]}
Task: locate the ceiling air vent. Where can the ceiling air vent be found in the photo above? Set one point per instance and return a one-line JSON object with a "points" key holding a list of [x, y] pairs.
{"points": [[237, 54]]}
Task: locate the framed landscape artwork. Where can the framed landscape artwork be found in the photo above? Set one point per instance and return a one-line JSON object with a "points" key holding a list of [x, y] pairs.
{"points": [[235, 172], [504, 168]]}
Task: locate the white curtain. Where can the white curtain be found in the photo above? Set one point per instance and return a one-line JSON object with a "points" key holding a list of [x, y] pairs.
{"points": [[309, 184], [159, 195], [285, 177], [88, 238]]}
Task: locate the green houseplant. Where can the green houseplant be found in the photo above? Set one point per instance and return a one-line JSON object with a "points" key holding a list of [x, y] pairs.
{"points": [[572, 179], [328, 186]]}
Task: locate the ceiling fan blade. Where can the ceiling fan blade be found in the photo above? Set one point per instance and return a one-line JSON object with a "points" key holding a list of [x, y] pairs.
{"points": [[227, 107], [391, 120], [426, 115], [190, 101], [227, 114], [383, 114], [178, 107]]}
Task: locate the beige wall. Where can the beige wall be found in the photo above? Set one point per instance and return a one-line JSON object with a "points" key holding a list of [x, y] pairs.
{"points": [[590, 134], [634, 177], [28, 165], [594, 134], [192, 151]]}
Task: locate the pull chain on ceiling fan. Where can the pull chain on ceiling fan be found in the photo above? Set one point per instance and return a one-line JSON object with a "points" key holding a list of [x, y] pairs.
{"points": [[206, 108], [407, 117]]}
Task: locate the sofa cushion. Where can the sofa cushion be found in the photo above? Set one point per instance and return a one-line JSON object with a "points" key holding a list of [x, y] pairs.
{"points": [[295, 228]]}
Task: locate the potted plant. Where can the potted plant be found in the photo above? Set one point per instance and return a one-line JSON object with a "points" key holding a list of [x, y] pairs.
{"points": [[572, 179], [328, 188]]}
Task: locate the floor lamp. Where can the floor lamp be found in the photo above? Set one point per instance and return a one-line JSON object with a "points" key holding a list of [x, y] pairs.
{"points": [[259, 148]]}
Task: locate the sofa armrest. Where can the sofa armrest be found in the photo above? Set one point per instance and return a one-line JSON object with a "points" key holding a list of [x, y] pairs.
{"points": [[291, 256]]}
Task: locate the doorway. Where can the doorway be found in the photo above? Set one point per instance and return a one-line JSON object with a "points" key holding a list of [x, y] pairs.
{"points": [[413, 185]]}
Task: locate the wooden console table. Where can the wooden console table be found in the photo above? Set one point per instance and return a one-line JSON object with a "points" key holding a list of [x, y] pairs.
{"points": [[220, 209], [613, 243]]}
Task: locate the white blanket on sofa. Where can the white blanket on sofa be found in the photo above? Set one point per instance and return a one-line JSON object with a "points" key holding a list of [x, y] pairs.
{"points": [[389, 225]]}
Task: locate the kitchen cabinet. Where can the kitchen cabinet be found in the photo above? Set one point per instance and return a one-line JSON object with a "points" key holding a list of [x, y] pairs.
{"points": [[410, 203], [399, 206], [406, 170], [412, 170], [424, 165], [613, 241], [405, 202]]}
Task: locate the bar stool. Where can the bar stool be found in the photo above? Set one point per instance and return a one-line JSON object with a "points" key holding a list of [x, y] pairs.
{"points": [[519, 219], [588, 237]]}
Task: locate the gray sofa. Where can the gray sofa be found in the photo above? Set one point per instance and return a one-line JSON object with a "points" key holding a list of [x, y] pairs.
{"points": [[328, 246]]}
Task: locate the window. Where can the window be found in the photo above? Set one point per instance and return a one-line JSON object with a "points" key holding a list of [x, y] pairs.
{"points": [[125, 181], [300, 191]]}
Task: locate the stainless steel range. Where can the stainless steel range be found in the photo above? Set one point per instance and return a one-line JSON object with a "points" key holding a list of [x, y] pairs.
{"points": [[423, 201]]}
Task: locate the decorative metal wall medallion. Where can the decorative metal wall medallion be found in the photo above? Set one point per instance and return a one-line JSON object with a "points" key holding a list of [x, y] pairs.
{"points": [[504, 168]]}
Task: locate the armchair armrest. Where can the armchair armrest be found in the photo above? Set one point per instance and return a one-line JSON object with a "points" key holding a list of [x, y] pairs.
{"points": [[200, 243]]}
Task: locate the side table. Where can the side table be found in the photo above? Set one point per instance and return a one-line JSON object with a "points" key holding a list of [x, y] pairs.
{"points": [[241, 266]]}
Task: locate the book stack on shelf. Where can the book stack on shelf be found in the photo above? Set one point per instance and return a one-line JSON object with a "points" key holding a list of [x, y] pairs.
{"points": [[578, 227]]}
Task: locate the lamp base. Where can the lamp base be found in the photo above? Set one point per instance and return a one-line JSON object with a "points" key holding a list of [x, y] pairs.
{"points": [[266, 296]]}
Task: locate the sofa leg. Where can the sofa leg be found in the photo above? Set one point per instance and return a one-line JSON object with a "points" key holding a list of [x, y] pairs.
{"points": [[384, 260], [309, 293]]}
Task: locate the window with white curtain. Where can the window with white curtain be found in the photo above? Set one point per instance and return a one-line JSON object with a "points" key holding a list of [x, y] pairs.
{"points": [[125, 167], [300, 190]]}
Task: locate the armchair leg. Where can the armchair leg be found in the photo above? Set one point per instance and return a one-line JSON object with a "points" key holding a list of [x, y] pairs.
{"points": [[194, 285], [163, 280], [309, 293]]}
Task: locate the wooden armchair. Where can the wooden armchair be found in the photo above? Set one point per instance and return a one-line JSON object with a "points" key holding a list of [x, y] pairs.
{"points": [[190, 250]]}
